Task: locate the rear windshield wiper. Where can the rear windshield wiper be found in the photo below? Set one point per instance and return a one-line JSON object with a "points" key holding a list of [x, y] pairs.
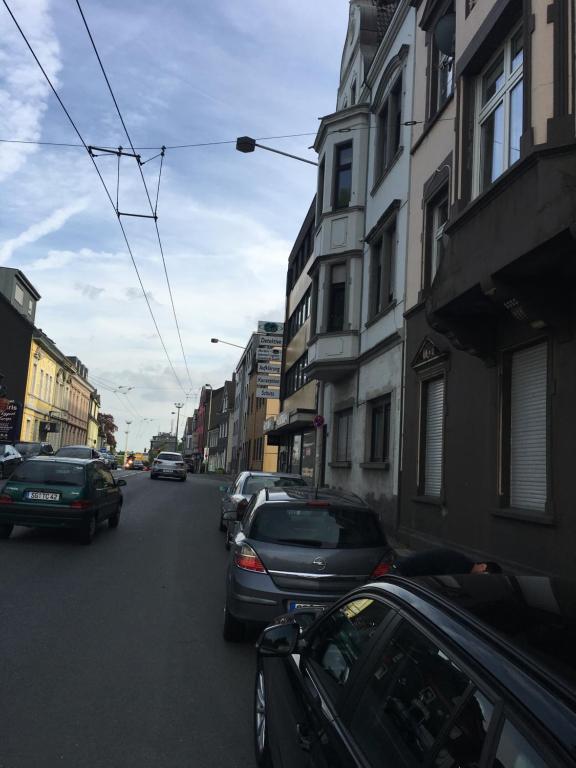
{"points": [[301, 542]]}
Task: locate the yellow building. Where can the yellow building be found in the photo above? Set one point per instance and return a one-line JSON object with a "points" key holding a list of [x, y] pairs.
{"points": [[93, 428], [47, 392]]}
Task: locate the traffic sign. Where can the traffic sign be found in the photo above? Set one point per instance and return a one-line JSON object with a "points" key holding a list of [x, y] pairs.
{"points": [[267, 394], [267, 381], [270, 367], [271, 341]]}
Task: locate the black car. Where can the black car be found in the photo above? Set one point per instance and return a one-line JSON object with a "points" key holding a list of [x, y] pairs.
{"points": [[78, 452], [9, 460], [30, 448], [475, 671]]}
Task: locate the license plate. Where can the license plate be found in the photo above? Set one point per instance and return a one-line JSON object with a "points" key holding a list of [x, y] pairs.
{"points": [[168, 471], [293, 605], [43, 496]]}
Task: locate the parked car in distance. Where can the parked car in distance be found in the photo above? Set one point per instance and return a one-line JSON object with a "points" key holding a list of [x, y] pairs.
{"points": [[299, 547], [474, 670], [236, 497], [77, 452], [9, 460], [168, 464], [60, 492], [109, 459], [29, 448]]}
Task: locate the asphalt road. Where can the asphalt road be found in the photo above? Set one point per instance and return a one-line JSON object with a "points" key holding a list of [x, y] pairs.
{"points": [[111, 655]]}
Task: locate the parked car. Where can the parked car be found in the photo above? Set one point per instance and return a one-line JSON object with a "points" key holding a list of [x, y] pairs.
{"points": [[168, 464], [28, 449], [60, 492], [299, 547], [236, 497], [475, 670], [108, 459], [77, 452], [9, 460]]}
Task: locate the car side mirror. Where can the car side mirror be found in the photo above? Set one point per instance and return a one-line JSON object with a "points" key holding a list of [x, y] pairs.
{"points": [[279, 640], [230, 515], [120, 482], [225, 489]]}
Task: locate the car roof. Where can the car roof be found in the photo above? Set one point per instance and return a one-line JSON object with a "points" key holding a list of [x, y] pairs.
{"points": [[305, 494], [258, 473], [62, 447], [62, 459], [518, 627]]}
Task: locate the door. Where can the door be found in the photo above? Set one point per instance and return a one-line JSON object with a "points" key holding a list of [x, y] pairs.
{"points": [[107, 493], [307, 692]]}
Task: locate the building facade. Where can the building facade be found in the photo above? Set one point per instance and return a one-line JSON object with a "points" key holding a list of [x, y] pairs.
{"points": [[80, 393], [356, 348], [491, 351]]}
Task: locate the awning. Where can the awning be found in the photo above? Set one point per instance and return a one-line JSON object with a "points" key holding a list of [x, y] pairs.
{"points": [[287, 423]]}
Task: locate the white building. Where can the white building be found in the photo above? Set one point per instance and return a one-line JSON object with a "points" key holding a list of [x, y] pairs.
{"points": [[358, 272]]}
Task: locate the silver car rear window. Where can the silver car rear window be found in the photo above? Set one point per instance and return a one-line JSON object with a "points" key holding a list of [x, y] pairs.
{"points": [[170, 457], [315, 526], [255, 484], [51, 473]]}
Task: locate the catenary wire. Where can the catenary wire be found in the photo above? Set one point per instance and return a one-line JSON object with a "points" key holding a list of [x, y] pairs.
{"points": [[55, 92], [152, 207]]}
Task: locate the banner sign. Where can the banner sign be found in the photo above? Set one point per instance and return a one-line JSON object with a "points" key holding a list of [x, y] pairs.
{"points": [[267, 394], [267, 381], [270, 341], [10, 419], [266, 355], [266, 326], [269, 367]]}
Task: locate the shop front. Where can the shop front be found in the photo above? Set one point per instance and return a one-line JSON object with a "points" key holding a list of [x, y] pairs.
{"points": [[295, 435]]}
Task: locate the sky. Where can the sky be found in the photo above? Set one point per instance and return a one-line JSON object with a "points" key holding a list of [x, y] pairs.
{"points": [[183, 72]]}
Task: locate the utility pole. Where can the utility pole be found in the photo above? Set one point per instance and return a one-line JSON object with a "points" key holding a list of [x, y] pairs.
{"points": [[126, 448], [178, 406]]}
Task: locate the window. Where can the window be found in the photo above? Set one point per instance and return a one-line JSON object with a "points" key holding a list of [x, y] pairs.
{"points": [[19, 295], [379, 425], [300, 315], [295, 377], [337, 297], [34, 374], [30, 305], [441, 81], [514, 750], [524, 429], [382, 269], [41, 384], [342, 176], [389, 128], [409, 701], [436, 219], [353, 93], [432, 437], [320, 194], [344, 638], [500, 112], [343, 421]]}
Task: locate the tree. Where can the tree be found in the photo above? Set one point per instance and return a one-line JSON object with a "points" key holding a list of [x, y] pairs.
{"points": [[106, 428]]}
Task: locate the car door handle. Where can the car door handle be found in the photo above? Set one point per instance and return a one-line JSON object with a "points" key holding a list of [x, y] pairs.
{"points": [[304, 740]]}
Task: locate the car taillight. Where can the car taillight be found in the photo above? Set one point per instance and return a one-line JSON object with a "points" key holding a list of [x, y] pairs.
{"points": [[4, 499], [382, 569], [248, 560], [79, 504], [157, 461]]}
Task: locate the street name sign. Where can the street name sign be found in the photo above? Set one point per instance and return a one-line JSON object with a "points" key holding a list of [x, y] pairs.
{"points": [[268, 354], [267, 381], [267, 394], [271, 341], [268, 367]]}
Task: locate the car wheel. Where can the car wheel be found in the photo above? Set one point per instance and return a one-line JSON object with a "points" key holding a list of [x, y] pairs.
{"points": [[5, 530], [233, 630], [88, 531], [261, 747], [114, 519]]}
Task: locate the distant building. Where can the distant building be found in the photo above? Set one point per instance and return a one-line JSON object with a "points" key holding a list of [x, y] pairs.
{"points": [[163, 441]]}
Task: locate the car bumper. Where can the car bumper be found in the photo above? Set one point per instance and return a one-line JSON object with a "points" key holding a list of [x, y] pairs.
{"points": [[169, 473], [44, 517], [253, 597]]}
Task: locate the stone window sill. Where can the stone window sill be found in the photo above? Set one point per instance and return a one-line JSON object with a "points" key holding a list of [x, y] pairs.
{"points": [[432, 501], [386, 171], [524, 515], [340, 464], [380, 314], [381, 465]]}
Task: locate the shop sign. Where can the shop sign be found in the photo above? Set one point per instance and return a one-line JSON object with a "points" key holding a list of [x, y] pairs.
{"points": [[267, 394], [267, 354], [269, 367], [269, 424], [10, 419], [267, 381], [267, 326], [282, 419], [270, 341]]}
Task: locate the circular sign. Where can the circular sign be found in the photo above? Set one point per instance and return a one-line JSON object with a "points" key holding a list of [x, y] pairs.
{"points": [[318, 421]]}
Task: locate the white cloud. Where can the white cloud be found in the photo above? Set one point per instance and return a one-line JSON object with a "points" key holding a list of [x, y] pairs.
{"points": [[51, 223]]}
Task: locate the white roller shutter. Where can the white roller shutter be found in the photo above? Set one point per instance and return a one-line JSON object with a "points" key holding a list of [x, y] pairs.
{"points": [[528, 449], [433, 437]]}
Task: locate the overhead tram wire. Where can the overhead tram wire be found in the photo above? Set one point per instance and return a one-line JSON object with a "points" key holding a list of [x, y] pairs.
{"points": [[153, 208], [77, 131]]}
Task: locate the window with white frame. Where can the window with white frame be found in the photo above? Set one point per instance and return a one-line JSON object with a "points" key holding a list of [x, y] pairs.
{"points": [[389, 128], [437, 217], [441, 73], [19, 295], [382, 271], [343, 442], [500, 93], [379, 429], [431, 437]]}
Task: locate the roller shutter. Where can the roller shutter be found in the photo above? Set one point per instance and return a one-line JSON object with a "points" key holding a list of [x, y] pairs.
{"points": [[528, 433], [433, 436]]}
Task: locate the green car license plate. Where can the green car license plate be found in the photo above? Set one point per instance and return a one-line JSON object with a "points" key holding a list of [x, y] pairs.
{"points": [[42, 496]]}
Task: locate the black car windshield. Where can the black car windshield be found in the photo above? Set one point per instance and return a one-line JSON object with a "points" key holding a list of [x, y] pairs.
{"points": [[256, 483], [49, 473], [27, 449], [170, 457], [315, 526], [76, 452]]}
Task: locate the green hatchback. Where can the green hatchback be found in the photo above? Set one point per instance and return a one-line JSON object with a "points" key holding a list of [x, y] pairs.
{"points": [[54, 492]]}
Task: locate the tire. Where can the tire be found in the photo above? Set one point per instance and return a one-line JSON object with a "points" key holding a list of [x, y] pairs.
{"points": [[88, 532], [261, 746], [232, 629], [114, 519], [5, 530]]}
